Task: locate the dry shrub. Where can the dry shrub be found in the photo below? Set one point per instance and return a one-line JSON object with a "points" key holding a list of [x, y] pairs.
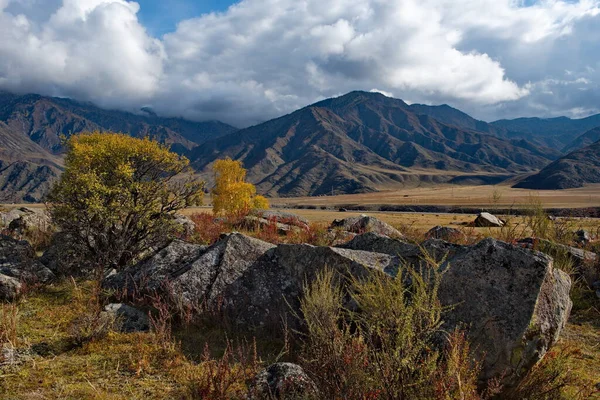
{"points": [[90, 326], [224, 378], [550, 378], [208, 228], [389, 349]]}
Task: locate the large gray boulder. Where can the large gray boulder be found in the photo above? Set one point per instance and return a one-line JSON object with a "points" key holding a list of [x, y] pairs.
{"points": [[10, 288], [65, 257], [283, 381], [18, 260], [269, 290], [156, 271], [487, 220], [195, 275], [255, 282], [512, 301], [364, 223]]}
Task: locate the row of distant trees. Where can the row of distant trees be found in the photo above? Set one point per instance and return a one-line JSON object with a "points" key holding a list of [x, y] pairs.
{"points": [[118, 195]]}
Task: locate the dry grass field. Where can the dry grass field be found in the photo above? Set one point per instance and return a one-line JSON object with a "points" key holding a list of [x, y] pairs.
{"points": [[452, 195]]}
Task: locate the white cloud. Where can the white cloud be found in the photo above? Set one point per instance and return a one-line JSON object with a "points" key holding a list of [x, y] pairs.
{"points": [[262, 58]]}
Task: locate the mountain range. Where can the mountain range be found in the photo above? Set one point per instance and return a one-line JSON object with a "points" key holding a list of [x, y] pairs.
{"points": [[358, 142], [574, 170]]}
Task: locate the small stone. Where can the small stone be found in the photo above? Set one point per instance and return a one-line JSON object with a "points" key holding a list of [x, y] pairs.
{"points": [[283, 381], [129, 319]]}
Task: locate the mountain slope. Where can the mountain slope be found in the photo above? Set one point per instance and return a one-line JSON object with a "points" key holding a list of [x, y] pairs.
{"points": [[363, 142], [31, 127], [576, 169], [584, 140], [27, 171], [451, 116], [45, 119], [557, 132]]}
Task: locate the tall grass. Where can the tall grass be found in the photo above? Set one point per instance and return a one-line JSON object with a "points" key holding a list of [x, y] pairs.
{"points": [[388, 347]]}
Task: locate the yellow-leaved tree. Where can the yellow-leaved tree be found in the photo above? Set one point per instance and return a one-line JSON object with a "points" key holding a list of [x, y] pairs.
{"points": [[232, 196], [117, 196]]}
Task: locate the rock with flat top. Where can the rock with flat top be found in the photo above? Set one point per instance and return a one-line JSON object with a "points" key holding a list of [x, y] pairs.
{"points": [[487, 220]]}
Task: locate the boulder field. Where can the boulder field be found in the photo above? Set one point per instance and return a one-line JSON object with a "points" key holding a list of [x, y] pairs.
{"points": [[511, 300]]}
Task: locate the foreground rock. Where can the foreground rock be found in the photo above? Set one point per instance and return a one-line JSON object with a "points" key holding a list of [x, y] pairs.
{"points": [[364, 223], [487, 220], [18, 260], [512, 301], [128, 319], [10, 288], [283, 381], [64, 257], [445, 233]]}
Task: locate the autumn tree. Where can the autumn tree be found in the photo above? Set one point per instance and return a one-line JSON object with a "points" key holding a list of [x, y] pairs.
{"points": [[232, 195], [117, 196]]}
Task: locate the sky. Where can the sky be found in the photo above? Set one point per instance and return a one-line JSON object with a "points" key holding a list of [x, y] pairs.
{"points": [[246, 62]]}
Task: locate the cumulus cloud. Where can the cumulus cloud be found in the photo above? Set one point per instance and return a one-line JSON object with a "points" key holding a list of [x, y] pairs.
{"points": [[263, 58]]}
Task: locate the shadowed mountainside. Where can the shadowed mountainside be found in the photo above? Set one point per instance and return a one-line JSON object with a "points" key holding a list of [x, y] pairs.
{"points": [[574, 170], [31, 127], [363, 142]]}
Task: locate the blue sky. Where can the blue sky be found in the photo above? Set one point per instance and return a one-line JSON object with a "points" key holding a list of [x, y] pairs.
{"points": [[161, 16]]}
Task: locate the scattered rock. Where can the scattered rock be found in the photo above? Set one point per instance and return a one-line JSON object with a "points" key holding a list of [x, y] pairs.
{"points": [[129, 319], [365, 223], [18, 260], [10, 288], [487, 220], [269, 288], [188, 226], [252, 222], [583, 236], [511, 300], [445, 233], [282, 217], [579, 257], [23, 219], [342, 210], [64, 257], [283, 381]]}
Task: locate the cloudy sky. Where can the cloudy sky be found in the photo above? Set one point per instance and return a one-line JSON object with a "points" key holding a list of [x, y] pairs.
{"points": [[245, 62]]}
